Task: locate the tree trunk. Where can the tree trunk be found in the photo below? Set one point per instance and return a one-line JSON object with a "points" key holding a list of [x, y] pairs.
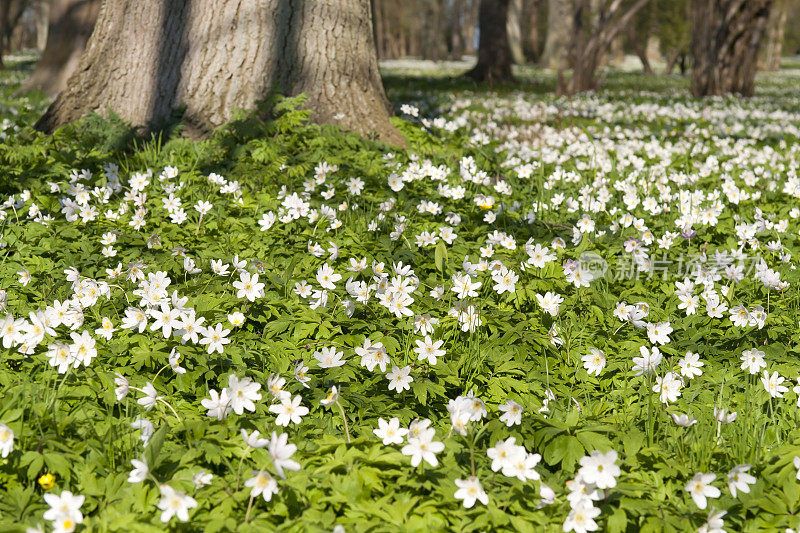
{"points": [[71, 25], [514, 31], [770, 58], [3, 23], [609, 21], [726, 35], [469, 25], [430, 18], [456, 30], [377, 28], [10, 13], [531, 34], [559, 28], [672, 60], [42, 18], [210, 57], [494, 53]]}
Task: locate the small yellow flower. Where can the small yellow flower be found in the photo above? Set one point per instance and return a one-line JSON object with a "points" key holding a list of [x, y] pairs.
{"points": [[47, 481]]}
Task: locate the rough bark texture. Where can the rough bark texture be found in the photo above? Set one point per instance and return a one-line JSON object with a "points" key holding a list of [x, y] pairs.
{"points": [[726, 35], [514, 31], [211, 57], [494, 53], [771, 49], [589, 47], [559, 28], [71, 25]]}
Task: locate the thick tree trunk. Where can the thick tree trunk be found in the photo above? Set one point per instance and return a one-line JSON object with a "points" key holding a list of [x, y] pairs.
{"points": [[494, 53], [71, 25], [726, 35], [559, 34], [211, 57], [770, 58], [514, 31]]}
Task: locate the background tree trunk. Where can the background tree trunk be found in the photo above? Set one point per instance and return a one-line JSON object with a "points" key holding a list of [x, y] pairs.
{"points": [[772, 47], [641, 35], [559, 28], [469, 25], [726, 35], [210, 57], [10, 13], [514, 31], [42, 20], [608, 21], [456, 30], [71, 25], [532, 32], [494, 53]]}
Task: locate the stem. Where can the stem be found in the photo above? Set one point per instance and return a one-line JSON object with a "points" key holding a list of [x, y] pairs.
{"points": [[472, 456], [249, 508], [199, 221], [239, 469], [344, 419], [170, 408]]}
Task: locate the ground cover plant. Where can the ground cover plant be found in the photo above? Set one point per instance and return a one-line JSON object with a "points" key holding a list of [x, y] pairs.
{"points": [[546, 314]]}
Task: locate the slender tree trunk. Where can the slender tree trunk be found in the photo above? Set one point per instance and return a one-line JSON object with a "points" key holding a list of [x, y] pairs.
{"points": [[494, 53], [531, 35], [71, 25], [457, 30], [514, 31], [559, 34], [641, 53], [672, 60], [588, 52], [470, 23], [770, 57], [10, 13], [42, 18], [726, 35], [210, 57], [3, 23]]}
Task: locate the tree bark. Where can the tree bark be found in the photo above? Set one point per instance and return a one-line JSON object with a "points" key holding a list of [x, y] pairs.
{"points": [[71, 25], [211, 57], [494, 52], [456, 30], [42, 21], [726, 35], [514, 31], [531, 33], [672, 60], [10, 13], [469, 25], [609, 21], [559, 27], [770, 58]]}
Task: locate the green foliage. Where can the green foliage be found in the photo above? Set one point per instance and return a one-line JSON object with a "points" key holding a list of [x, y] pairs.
{"points": [[73, 426]]}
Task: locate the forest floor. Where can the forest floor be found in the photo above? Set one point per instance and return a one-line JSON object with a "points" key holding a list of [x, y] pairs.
{"points": [[546, 314]]}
